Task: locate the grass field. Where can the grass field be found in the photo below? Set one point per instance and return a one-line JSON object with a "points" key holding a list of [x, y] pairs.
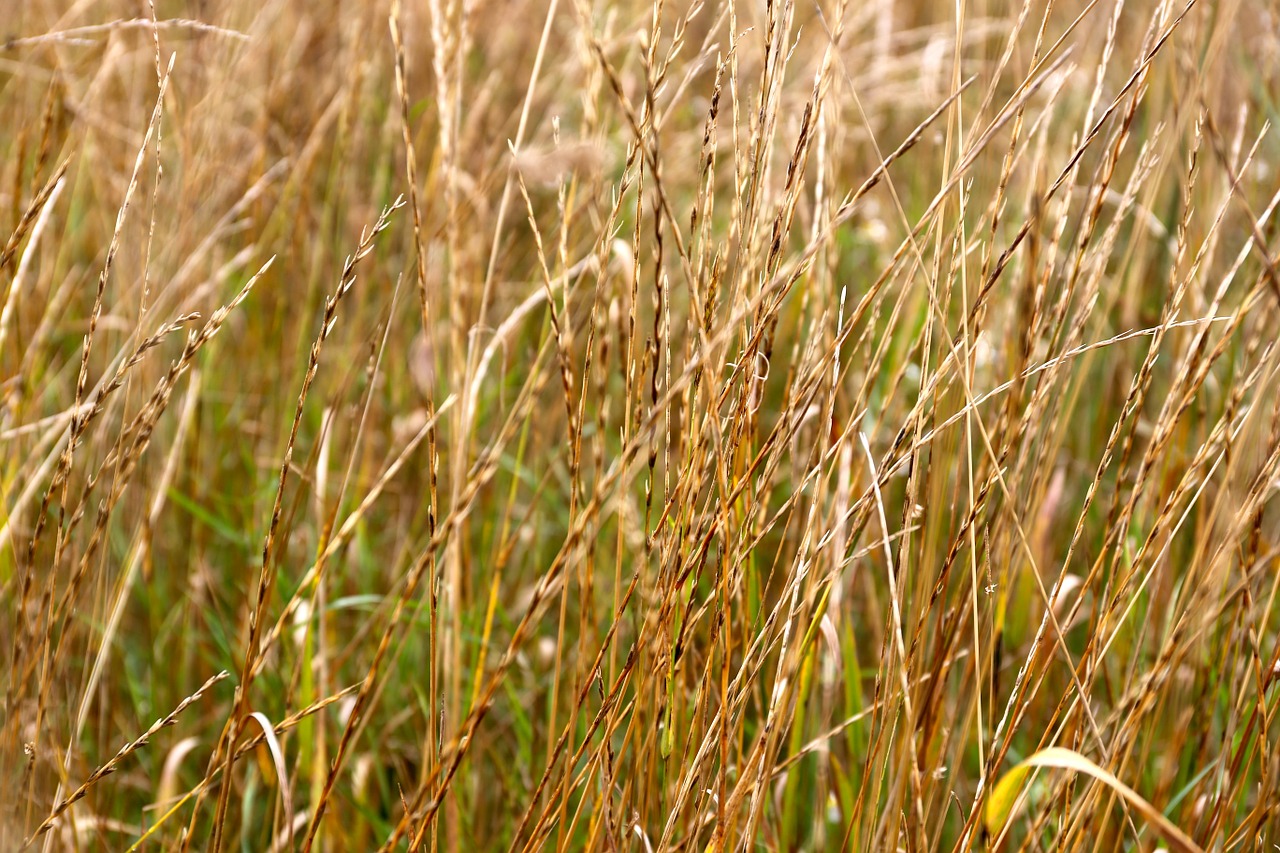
{"points": [[585, 425]]}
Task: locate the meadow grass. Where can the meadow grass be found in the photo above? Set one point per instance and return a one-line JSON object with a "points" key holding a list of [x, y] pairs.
{"points": [[704, 425]]}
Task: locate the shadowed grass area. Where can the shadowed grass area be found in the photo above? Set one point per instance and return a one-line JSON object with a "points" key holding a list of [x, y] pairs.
{"points": [[459, 425]]}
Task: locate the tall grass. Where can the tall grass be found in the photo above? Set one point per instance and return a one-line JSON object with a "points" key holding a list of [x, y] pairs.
{"points": [[448, 424]]}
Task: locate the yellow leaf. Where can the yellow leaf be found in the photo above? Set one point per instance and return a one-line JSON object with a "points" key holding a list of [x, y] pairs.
{"points": [[1003, 798], [1005, 795]]}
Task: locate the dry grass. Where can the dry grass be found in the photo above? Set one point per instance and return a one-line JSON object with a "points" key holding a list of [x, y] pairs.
{"points": [[446, 425]]}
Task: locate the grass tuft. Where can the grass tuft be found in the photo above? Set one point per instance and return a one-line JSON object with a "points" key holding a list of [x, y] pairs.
{"points": [[648, 426]]}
